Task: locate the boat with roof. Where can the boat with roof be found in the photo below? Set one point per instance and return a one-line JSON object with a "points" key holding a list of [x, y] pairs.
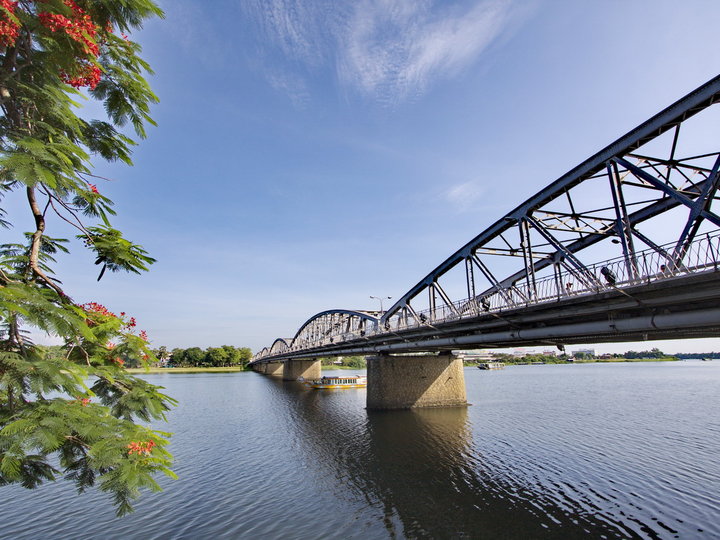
{"points": [[331, 383]]}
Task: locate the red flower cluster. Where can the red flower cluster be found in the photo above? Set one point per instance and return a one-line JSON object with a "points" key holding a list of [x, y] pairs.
{"points": [[119, 361], [141, 447], [99, 309], [94, 307], [8, 28], [93, 187], [79, 27], [89, 75], [82, 401]]}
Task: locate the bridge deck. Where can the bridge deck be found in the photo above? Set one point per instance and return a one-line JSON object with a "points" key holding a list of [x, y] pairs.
{"points": [[682, 307], [532, 277]]}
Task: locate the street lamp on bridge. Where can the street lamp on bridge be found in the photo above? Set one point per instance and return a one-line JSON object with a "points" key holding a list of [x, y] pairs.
{"points": [[381, 298]]}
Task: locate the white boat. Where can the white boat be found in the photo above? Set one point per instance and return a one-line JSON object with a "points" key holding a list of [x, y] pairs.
{"points": [[491, 365], [329, 383]]}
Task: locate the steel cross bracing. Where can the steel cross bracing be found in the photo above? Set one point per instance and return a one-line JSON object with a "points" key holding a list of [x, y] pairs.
{"points": [[637, 216]]}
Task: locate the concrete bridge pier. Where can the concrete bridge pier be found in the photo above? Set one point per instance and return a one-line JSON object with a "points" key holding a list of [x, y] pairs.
{"points": [[405, 382], [307, 369], [274, 369]]}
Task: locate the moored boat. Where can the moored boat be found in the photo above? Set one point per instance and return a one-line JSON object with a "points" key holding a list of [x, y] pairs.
{"points": [[328, 383], [491, 365]]}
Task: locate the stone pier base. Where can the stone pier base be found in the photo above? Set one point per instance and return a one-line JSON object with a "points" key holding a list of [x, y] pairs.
{"points": [[307, 369], [274, 369], [404, 382]]}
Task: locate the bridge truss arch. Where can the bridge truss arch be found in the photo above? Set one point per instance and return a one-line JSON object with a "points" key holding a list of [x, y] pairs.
{"points": [[637, 218], [646, 200], [279, 346], [334, 326]]}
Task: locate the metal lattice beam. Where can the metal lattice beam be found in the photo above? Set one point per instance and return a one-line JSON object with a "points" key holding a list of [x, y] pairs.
{"points": [[546, 249]]}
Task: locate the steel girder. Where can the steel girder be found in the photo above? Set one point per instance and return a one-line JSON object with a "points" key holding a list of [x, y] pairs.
{"points": [[326, 327], [653, 187], [279, 346], [333, 325], [604, 200]]}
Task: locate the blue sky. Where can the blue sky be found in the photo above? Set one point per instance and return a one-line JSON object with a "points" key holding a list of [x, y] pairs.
{"points": [[310, 154]]}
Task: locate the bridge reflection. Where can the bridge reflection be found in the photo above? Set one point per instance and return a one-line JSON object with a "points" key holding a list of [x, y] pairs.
{"points": [[420, 471]]}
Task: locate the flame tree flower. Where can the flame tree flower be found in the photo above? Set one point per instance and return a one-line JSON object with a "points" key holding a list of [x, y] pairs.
{"points": [[51, 53]]}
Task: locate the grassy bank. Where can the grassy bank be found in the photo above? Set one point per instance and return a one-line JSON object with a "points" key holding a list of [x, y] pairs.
{"points": [[600, 360], [583, 361], [214, 369], [187, 370], [325, 367]]}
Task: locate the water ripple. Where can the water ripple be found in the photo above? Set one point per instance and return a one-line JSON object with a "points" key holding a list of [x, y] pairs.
{"points": [[601, 451]]}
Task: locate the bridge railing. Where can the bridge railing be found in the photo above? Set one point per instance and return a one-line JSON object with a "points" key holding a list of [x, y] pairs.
{"points": [[648, 266]]}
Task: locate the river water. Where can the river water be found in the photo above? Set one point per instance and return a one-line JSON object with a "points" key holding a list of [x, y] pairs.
{"points": [[553, 451]]}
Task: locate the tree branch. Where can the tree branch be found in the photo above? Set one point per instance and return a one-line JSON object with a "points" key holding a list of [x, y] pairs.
{"points": [[36, 241], [82, 175], [79, 225]]}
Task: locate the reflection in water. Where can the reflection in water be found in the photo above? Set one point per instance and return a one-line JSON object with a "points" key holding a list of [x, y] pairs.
{"points": [[419, 468], [611, 451]]}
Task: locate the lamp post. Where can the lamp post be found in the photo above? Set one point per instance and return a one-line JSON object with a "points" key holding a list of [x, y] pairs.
{"points": [[381, 298]]}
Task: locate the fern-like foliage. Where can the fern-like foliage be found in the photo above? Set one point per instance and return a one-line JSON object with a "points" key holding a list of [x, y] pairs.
{"points": [[115, 253], [74, 415]]}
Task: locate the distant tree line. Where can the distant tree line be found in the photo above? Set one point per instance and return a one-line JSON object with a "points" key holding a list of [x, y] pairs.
{"points": [[530, 358], [562, 358], [685, 356], [224, 356], [654, 353], [357, 362]]}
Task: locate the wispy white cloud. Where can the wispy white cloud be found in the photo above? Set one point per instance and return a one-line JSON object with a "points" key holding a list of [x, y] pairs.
{"points": [[464, 196], [291, 84], [396, 48], [294, 26], [389, 50]]}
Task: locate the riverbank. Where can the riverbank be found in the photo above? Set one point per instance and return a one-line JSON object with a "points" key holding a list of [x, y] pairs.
{"points": [[233, 369], [579, 361], [187, 370], [605, 360], [336, 366], [236, 369]]}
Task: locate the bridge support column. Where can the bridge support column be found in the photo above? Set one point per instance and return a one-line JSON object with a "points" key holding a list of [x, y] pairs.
{"points": [[404, 382], [307, 369], [274, 369]]}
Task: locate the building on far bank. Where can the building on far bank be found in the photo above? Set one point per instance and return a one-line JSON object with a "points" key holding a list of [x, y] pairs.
{"points": [[476, 356]]}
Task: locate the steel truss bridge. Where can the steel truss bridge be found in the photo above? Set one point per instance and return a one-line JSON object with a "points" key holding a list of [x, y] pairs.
{"points": [[624, 247]]}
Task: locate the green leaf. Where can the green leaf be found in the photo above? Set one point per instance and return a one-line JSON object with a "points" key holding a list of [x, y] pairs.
{"points": [[10, 467], [45, 152], [115, 252]]}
